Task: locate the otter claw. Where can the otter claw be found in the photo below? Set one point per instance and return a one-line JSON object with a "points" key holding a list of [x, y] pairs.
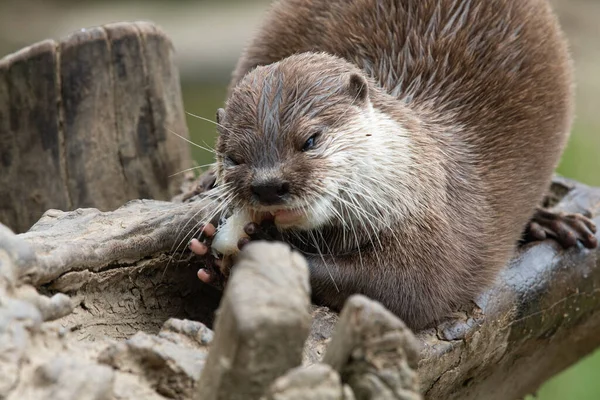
{"points": [[267, 230], [565, 228]]}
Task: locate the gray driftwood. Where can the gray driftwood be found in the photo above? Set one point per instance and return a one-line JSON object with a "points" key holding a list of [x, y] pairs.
{"points": [[318, 381], [86, 122], [540, 317], [263, 322], [374, 351]]}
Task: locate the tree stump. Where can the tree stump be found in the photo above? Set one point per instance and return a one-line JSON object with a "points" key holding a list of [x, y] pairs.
{"points": [[87, 121]]}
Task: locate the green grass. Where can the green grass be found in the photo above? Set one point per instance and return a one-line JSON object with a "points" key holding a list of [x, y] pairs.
{"points": [[202, 100], [580, 382], [580, 161]]}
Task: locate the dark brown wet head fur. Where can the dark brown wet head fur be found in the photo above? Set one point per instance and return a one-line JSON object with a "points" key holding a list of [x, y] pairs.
{"points": [[272, 115], [443, 119]]}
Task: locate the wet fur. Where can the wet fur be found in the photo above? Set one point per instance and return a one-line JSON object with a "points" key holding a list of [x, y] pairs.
{"points": [[465, 113]]}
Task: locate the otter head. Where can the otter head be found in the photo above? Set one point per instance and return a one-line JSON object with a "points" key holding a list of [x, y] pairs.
{"points": [[293, 138]]}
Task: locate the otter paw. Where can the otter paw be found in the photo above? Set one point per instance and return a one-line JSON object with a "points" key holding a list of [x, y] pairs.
{"points": [[266, 231], [565, 228], [206, 181], [215, 271]]}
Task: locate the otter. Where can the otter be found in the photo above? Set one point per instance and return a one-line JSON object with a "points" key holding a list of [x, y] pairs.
{"points": [[404, 147]]}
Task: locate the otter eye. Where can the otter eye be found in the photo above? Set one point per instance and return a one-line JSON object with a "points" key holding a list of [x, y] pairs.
{"points": [[310, 143], [231, 161]]}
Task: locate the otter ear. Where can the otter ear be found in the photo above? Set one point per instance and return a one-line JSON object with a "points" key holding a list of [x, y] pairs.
{"points": [[358, 87], [220, 115], [220, 120]]}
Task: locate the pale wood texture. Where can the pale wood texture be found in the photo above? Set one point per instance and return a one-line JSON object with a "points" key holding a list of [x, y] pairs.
{"points": [[541, 316], [88, 122]]}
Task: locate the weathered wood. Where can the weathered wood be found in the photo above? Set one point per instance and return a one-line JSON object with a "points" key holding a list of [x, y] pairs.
{"points": [[374, 352], [32, 175], [90, 240], [168, 117], [42, 360], [318, 381], [262, 324], [86, 122], [541, 316]]}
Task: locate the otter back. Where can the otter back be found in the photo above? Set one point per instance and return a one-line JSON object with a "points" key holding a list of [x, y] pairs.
{"points": [[490, 86]]}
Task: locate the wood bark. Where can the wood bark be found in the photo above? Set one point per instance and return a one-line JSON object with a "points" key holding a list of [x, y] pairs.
{"points": [[86, 121], [123, 275], [258, 338]]}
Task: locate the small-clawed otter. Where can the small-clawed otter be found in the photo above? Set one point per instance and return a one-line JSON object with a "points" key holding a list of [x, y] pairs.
{"points": [[401, 145]]}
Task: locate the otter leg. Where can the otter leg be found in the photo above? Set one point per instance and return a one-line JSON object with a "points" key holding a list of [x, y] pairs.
{"points": [[215, 271], [205, 182], [266, 230], [565, 228]]}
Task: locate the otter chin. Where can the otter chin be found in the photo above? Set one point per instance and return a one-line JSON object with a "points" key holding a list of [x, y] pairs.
{"points": [[290, 218], [402, 146]]}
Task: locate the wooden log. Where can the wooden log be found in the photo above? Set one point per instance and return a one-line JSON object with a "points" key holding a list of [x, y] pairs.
{"points": [[91, 240], [540, 317], [32, 178], [87, 122], [262, 324], [318, 381], [374, 352]]}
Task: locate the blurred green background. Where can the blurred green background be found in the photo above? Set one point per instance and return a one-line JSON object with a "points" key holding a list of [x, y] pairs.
{"points": [[209, 35]]}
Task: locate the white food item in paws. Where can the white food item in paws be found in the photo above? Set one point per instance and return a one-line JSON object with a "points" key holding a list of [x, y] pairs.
{"points": [[228, 234]]}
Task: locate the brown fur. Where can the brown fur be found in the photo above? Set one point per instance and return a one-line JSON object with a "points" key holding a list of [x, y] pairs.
{"points": [[484, 90]]}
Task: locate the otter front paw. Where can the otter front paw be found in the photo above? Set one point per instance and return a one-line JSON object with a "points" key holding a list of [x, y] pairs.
{"points": [[266, 230], [565, 228], [215, 270], [204, 183]]}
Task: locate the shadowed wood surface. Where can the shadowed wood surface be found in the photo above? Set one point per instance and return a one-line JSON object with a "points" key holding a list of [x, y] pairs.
{"points": [[85, 122]]}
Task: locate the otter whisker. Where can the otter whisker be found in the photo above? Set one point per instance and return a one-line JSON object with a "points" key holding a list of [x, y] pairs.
{"points": [[195, 230], [192, 143], [344, 224], [191, 169], [181, 229], [363, 222], [369, 233], [384, 207], [385, 226], [207, 120], [174, 247], [382, 203], [217, 190], [356, 240], [324, 262], [361, 213], [222, 206], [332, 257]]}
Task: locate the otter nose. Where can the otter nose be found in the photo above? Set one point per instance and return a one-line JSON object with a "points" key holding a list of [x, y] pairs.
{"points": [[271, 192]]}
